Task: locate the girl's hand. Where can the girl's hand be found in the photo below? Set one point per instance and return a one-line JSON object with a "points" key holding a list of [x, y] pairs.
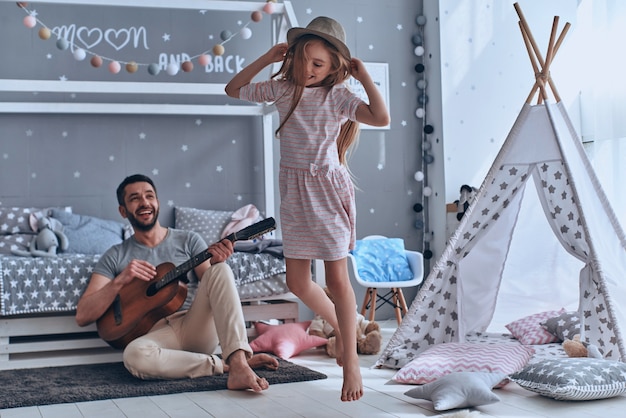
{"points": [[277, 52], [357, 69]]}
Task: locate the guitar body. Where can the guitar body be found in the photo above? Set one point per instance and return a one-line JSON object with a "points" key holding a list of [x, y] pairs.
{"points": [[137, 311]]}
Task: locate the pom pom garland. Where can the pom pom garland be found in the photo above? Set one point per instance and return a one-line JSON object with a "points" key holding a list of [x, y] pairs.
{"points": [[30, 21]]}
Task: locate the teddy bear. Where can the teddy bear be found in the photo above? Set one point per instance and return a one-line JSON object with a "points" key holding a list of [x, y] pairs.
{"points": [[576, 348], [368, 336], [49, 240]]}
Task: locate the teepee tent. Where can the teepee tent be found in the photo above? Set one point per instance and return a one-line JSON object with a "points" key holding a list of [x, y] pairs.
{"points": [[542, 160]]}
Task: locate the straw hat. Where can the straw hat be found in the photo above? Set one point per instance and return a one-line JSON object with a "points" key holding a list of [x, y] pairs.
{"points": [[326, 28]]}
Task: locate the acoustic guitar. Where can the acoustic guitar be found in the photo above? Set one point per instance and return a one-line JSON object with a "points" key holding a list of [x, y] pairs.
{"points": [[140, 304]]}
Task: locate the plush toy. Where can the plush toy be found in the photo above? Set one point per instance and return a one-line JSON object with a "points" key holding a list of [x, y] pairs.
{"points": [[368, 336], [49, 239], [576, 348], [467, 195]]}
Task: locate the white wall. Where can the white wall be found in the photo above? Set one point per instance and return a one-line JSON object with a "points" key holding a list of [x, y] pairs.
{"points": [[486, 77]]}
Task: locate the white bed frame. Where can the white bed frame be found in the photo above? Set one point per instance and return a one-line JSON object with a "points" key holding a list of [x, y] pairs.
{"points": [[41, 341]]}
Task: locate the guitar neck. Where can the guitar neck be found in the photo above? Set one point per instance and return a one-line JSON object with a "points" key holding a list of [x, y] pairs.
{"points": [[250, 232]]}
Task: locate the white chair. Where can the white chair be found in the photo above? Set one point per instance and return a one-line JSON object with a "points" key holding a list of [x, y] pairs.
{"points": [[394, 295]]}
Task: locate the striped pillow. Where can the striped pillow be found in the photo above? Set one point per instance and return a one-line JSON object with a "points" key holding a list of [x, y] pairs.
{"points": [[529, 331], [442, 359]]}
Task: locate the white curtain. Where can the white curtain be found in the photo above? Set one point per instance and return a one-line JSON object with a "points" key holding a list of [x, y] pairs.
{"points": [[603, 94]]}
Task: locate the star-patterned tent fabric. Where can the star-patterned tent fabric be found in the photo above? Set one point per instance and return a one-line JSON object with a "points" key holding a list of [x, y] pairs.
{"points": [[463, 289]]}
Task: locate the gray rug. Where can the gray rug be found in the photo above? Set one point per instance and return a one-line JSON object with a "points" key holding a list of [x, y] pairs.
{"points": [[70, 384]]}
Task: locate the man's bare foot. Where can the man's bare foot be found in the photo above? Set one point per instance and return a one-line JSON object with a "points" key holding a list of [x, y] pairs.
{"points": [[263, 361], [241, 376], [352, 389]]}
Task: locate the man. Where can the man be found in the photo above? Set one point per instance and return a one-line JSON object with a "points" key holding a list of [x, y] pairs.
{"points": [[182, 344]]}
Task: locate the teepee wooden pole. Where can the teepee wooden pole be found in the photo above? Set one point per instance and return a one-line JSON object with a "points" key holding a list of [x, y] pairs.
{"points": [[543, 75], [533, 62]]}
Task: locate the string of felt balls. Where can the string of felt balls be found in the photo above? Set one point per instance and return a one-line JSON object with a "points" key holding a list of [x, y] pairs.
{"points": [[115, 66]]}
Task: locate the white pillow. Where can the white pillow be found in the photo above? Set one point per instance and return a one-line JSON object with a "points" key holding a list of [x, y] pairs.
{"points": [[459, 390]]}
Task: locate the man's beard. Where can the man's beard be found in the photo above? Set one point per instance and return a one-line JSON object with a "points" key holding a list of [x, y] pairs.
{"points": [[141, 226]]}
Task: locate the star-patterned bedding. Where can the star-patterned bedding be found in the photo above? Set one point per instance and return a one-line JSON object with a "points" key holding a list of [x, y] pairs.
{"points": [[54, 284]]}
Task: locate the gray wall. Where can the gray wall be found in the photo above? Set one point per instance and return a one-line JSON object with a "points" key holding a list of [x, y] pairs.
{"points": [[209, 162]]}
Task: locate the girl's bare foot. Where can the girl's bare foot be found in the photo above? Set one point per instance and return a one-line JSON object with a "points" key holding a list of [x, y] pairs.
{"points": [[352, 389]]}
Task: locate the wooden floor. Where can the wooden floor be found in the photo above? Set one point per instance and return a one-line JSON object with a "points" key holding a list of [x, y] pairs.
{"points": [[320, 398]]}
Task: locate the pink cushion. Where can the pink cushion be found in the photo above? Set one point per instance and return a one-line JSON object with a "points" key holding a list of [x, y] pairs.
{"points": [[529, 331], [286, 340], [446, 358]]}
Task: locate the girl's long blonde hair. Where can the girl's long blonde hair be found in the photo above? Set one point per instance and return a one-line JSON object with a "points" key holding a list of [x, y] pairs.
{"points": [[340, 72]]}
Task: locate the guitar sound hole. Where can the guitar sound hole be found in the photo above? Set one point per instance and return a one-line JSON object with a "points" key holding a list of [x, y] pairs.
{"points": [[151, 290]]}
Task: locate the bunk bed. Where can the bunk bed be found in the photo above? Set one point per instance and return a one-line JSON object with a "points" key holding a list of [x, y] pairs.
{"points": [[44, 334]]}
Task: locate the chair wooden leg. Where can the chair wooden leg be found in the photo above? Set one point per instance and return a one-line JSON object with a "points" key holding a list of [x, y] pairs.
{"points": [[373, 297], [405, 309], [396, 305], [366, 300]]}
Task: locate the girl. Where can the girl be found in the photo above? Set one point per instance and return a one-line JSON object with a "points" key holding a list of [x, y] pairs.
{"points": [[317, 126]]}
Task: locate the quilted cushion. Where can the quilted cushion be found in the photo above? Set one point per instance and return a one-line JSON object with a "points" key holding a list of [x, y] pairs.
{"points": [[528, 330], [442, 359], [88, 234], [574, 379]]}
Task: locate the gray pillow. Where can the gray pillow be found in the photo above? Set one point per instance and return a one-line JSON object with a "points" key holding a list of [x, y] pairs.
{"points": [[88, 234], [564, 326], [573, 379], [208, 223]]}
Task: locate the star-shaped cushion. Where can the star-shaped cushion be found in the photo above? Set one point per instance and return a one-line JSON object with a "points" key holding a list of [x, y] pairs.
{"points": [[286, 340], [459, 390]]}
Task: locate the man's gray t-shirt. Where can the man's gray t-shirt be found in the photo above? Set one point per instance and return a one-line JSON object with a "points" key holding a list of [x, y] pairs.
{"points": [[178, 247]]}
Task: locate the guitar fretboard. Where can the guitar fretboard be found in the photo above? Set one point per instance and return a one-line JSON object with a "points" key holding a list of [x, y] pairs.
{"points": [[175, 273]]}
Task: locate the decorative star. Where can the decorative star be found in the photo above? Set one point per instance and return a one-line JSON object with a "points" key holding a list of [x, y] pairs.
{"points": [[76, 174], [64, 134], [142, 135], [403, 123], [49, 56], [29, 132], [234, 141], [33, 175], [188, 185], [155, 171], [166, 37], [219, 169], [370, 47], [372, 210], [198, 122], [34, 13], [5, 156], [380, 166], [359, 19], [202, 12], [63, 78], [111, 158], [239, 23], [184, 148], [403, 84], [239, 197], [399, 26], [309, 11], [170, 203]]}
